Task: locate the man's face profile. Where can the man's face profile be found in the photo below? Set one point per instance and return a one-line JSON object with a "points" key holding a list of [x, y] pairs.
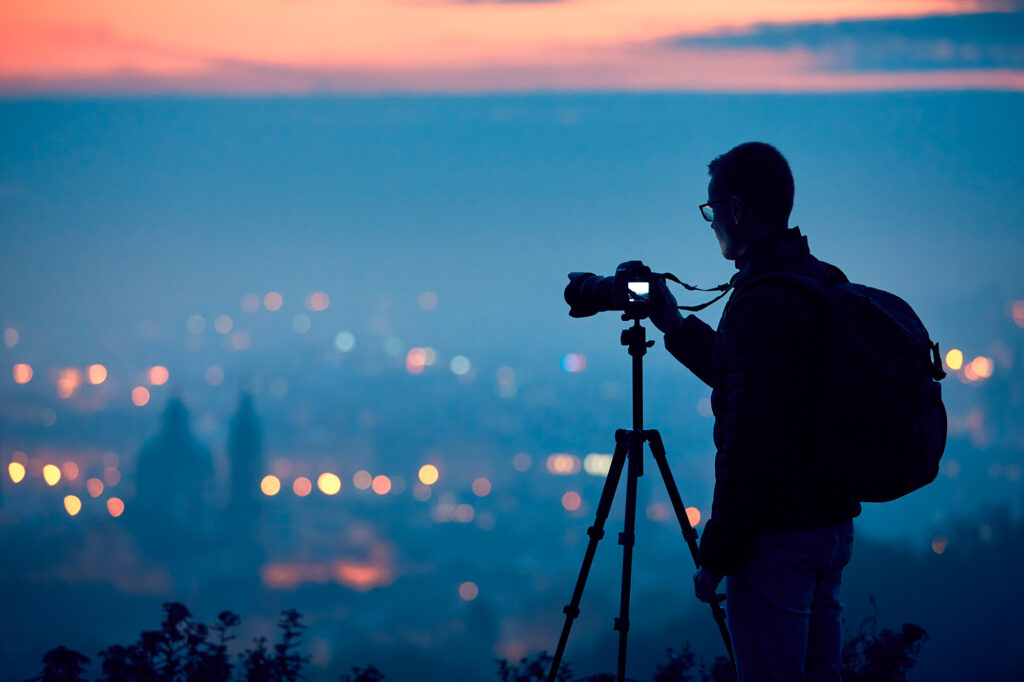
{"points": [[723, 223]]}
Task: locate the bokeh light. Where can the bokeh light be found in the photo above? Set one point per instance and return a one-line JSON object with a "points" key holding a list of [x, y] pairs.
{"points": [[468, 591], [22, 373], [301, 323], [362, 479], [318, 301], [140, 396], [345, 341], [939, 544], [270, 485], [421, 491], [428, 300], [16, 470], [115, 506], [68, 381], [70, 470], [72, 504], [250, 303], [240, 340], [51, 474], [273, 301], [214, 375], [597, 464], [94, 486], [328, 483], [223, 324], [571, 500], [196, 324], [111, 476], [459, 365], [574, 362], [522, 462], [563, 464], [302, 486], [693, 515], [982, 367], [158, 375], [1017, 312], [428, 474], [464, 513], [11, 337], [954, 359], [381, 484], [97, 374], [481, 487]]}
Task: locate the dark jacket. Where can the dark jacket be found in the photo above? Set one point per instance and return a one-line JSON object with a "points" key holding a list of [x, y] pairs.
{"points": [[765, 366]]}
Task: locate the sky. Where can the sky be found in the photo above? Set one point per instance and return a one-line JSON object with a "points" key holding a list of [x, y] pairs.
{"points": [[372, 46]]}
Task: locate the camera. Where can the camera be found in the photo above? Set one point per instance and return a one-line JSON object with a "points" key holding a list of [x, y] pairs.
{"points": [[628, 290]]}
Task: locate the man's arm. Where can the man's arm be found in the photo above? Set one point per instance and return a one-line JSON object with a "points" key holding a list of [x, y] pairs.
{"points": [[688, 339]]}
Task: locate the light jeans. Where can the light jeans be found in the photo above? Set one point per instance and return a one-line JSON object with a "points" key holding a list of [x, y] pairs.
{"points": [[783, 606]]}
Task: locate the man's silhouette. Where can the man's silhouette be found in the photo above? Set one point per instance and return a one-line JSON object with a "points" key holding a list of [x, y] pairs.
{"points": [[779, 536]]}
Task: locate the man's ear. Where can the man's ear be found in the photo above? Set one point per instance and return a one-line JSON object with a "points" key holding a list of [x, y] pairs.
{"points": [[737, 208]]}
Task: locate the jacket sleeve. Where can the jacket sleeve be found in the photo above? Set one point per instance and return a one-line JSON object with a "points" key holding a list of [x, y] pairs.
{"points": [[691, 345], [750, 422]]}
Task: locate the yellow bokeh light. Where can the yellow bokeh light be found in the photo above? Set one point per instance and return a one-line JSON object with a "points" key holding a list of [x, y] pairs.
{"points": [[158, 375], [115, 506], [72, 504], [302, 486], [97, 374], [481, 487], [693, 515], [94, 486], [51, 474], [140, 396], [270, 485], [328, 483], [70, 470], [22, 373], [362, 479], [381, 485], [571, 500], [428, 474], [468, 591], [955, 359], [16, 470]]}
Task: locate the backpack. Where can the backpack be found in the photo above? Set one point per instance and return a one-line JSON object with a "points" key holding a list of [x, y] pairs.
{"points": [[883, 426]]}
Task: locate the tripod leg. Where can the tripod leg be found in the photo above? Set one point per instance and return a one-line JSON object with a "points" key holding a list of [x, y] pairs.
{"points": [[658, 450], [627, 540], [596, 532]]}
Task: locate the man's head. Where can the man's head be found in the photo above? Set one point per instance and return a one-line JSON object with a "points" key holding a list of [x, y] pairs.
{"points": [[751, 195]]}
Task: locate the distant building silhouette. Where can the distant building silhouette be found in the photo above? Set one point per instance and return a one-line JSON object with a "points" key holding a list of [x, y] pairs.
{"points": [[174, 484], [245, 449]]}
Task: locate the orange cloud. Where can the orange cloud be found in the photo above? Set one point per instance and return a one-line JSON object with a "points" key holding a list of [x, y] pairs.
{"points": [[276, 46]]}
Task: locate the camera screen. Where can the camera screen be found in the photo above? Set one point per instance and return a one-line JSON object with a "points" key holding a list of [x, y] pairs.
{"points": [[639, 292]]}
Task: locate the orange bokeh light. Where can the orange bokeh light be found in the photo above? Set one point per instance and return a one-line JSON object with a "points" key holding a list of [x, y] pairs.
{"points": [[97, 374], [318, 301], [94, 486], [693, 515], [140, 395], [381, 485], [158, 375], [481, 487], [68, 381], [22, 373], [115, 506], [468, 591], [571, 500], [302, 486], [70, 470]]}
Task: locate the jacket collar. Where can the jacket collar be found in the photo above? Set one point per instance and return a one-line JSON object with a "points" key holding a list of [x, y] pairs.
{"points": [[771, 248]]}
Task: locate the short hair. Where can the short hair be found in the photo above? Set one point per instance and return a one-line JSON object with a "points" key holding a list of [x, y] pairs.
{"points": [[760, 174]]}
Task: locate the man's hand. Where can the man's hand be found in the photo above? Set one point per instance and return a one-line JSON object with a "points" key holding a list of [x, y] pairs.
{"points": [[705, 583], [664, 313]]}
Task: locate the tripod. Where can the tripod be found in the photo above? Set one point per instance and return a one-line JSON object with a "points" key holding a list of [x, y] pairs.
{"points": [[629, 447]]}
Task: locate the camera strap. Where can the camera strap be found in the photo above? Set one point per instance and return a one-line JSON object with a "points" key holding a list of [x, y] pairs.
{"points": [[724, 288]]}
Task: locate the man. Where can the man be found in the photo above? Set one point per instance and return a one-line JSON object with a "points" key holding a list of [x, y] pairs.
{"points": [[781, 539]]}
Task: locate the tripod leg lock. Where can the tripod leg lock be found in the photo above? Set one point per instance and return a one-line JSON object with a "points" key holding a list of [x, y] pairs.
{"points": [[627, 539], [595, 532], [571, 611], [622, 624]]}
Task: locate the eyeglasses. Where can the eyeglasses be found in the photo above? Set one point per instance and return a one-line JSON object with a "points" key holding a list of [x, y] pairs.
{"points": [[707, 212]]}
